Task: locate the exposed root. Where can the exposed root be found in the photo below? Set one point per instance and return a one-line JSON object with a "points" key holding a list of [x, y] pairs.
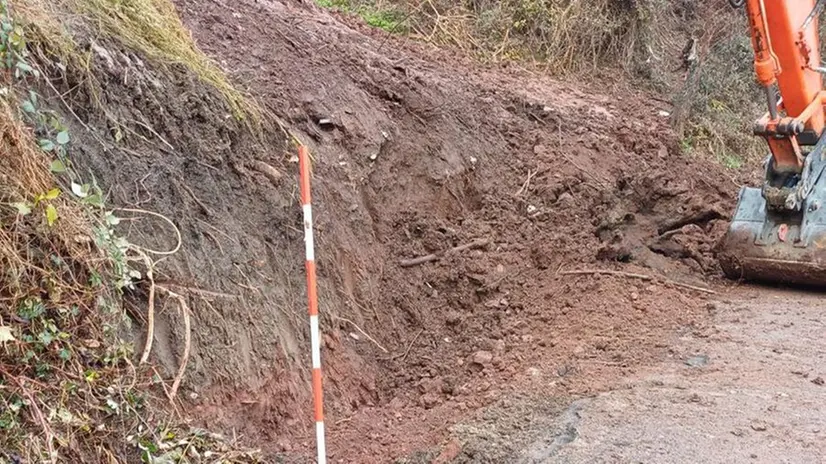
{"points": [[362, 332], [150, 311], [184, 308], [161, 216]]}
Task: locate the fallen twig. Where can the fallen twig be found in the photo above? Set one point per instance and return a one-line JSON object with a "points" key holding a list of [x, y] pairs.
{"points": [[631, 275], [526, 185], [436, 256], [409, 346], [362, 332]]}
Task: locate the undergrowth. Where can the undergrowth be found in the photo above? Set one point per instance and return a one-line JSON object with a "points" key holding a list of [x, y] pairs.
{"points": [[151, 27], [382, 16], [69, 390], [696, 54]]}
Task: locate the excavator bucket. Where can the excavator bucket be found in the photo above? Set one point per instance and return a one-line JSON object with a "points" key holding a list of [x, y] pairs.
{"points": [[779, 245]]}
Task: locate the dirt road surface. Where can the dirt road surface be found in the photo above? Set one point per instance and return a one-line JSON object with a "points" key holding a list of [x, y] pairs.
{"points": [[748, 388]]}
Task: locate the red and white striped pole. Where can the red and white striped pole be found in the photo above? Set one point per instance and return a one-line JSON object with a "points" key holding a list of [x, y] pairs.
{"points": [[312, 296]]}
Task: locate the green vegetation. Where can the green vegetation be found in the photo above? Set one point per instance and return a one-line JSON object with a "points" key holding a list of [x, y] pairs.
{"points": [[376, 15], [69, 391], [712, 86]]}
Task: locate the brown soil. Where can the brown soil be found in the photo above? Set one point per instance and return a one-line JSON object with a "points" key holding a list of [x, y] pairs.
{"points": [[424, 152]]}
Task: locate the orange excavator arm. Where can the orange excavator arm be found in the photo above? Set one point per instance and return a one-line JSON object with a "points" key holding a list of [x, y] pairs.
{"points": [[787, 56], [778, 231]]}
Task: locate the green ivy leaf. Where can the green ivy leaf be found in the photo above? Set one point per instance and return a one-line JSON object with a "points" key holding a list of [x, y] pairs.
{"points": [[65, 354], [28, 106], [57, 166], [23, 208], [63, 137], [46, 145], [52, 194], [94, 200], [51, 215], [113, 405], [24, 67], [45, 338]]}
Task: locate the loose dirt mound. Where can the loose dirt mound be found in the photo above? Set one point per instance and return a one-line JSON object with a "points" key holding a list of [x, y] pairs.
{"points": [[416, 152]]}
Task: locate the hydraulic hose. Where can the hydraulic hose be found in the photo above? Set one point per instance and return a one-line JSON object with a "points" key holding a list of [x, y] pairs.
{"points": [[736, 3]]}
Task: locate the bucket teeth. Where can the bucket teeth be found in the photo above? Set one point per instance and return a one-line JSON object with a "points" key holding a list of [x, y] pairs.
{"points": [[765, 245]]}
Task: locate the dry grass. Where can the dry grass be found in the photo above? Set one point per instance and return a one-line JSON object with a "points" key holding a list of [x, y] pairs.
{"points": [[715, 98], [151, 27], [52, 317], [69, 391], [561, 36]]}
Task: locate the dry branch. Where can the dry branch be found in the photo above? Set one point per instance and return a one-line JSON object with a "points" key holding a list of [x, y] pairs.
{"points": [[437, 256]]}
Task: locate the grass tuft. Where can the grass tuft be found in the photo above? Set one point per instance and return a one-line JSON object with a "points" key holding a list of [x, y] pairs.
{"points": [[152, 27]]}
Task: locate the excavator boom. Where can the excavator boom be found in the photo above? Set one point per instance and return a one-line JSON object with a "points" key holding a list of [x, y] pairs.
{"points": [[778, 232]]}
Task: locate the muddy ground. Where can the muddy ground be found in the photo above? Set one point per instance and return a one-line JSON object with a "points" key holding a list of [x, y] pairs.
{"points": [[417, 151]]}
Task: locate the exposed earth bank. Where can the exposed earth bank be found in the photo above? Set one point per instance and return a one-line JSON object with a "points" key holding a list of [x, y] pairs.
{"points": [[416, 152]]}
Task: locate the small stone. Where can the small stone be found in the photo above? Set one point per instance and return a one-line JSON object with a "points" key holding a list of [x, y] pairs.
{"points": [[499, 346], [396, 403], [564, 197], [430, 400], [531, 209], [453, 318], [354, 336], [482, 358], [758, 427], [697, 361], [284, 444], [818, 381], [635, 296]]}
